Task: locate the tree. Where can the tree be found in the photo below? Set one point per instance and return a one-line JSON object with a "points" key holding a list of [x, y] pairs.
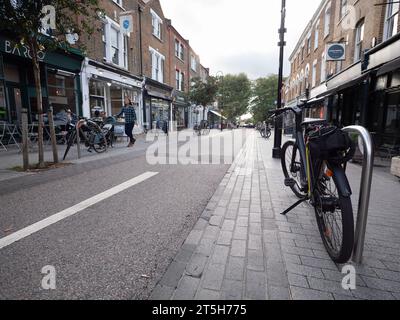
{"points": [[203, 93], [24, 21], [234, 92], [264, 97]]}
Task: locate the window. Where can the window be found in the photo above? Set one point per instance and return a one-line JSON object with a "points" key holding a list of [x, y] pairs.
{"points": [[156, 23], [179, 50], [157, 65], [343, 7], [60, 86], [194, 63], [119, 2], [316, 36], [125, 53], [180, 80], [114, 34], [327, 21], [323, 68], [309, 45], [115, 44], [391, 20], [314, 74], [359, 37]]}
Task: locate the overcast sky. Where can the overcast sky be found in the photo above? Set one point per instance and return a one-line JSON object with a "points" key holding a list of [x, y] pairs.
{"points": [[235, 36]]}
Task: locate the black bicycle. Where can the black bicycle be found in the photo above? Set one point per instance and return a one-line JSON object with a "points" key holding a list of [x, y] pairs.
{"points": [[90, 134], [265, 130], [202, 129], [314, 168]]}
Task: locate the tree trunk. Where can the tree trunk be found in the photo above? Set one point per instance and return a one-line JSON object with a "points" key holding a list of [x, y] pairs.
{"points": [[39, 101]]}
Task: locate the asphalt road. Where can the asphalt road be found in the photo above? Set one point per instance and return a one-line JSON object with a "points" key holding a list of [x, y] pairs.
{"points": [[117, 248]]}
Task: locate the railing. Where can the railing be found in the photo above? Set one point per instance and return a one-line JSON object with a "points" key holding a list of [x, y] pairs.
{"points": [[365, 190]]}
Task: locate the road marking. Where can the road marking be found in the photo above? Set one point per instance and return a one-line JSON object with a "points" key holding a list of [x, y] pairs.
{"points": [[25, 232]]}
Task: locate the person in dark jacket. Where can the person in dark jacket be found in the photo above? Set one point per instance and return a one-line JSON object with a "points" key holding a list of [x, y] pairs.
{"points": [[130, 119]]}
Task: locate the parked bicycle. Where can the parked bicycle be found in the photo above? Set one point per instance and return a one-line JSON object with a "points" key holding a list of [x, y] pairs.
{"points": [[314, 168], [91, 134], [202, 129], [264, 129]]}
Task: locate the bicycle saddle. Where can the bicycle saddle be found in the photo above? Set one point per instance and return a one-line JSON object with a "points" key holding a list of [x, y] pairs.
{"points": [[313, 122]]}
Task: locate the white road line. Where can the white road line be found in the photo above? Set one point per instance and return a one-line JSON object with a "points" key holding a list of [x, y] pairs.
{"points": [[23, 233]]}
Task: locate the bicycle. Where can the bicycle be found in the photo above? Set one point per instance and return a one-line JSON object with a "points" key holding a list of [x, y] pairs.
{"points": [[265, 130], [202, 129], [314, 168], [90, 133]]}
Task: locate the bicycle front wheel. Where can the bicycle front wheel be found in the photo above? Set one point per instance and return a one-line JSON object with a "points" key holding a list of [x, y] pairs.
{"points": [[334, 214], [100, 143], [291, 166]]}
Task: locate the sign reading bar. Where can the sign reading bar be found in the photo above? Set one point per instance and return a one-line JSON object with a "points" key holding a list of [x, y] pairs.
{"points": [[335, 51]]}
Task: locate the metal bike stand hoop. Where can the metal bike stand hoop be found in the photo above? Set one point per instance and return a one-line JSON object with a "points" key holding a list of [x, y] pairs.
{"points": [[365, 190]]}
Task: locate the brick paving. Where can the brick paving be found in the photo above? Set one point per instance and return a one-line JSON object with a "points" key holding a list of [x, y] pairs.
{"points": [[242, 248]]}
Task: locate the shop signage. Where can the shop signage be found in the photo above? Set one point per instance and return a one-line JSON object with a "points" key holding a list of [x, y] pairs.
{"points": [[335, 51], [23, 51]]}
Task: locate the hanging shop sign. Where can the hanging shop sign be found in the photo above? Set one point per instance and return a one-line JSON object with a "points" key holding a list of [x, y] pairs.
{"points": [[335, 51], [126, 23]]}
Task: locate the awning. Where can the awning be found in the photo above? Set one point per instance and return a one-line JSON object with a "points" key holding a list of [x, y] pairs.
{"points": [[344, 86], [388, 67], [159, 95], [218, 114]]}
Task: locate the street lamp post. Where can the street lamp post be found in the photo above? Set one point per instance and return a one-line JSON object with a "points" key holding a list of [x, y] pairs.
{"points": [[276, 152], [220, 104]]}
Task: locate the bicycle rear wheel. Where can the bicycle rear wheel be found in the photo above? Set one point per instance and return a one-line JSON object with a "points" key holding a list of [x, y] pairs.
{"points": [[291, 166], [334, 214]]}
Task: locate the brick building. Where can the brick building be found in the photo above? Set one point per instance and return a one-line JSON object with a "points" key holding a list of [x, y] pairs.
{"points": [[363, 87]]}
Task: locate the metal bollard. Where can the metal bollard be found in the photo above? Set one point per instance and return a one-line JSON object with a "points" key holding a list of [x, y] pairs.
{"points": [[365, 190]]}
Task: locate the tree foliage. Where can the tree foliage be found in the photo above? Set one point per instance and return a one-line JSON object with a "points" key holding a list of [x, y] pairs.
{"points": [[264, 96], [234, 92], [203, 93]]}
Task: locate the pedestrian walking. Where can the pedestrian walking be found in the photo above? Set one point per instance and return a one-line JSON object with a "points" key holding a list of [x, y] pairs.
{"points": [[130, 119]]}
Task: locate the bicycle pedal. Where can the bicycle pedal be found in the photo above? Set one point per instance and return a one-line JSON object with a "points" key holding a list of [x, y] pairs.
{"points": [[290, 182]]}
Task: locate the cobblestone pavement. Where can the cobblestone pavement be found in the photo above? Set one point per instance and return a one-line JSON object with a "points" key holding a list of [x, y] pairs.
{"points": [[242, 248]]}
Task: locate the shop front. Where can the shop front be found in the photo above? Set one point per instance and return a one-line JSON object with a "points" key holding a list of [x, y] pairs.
{"points": [[59, 75], [180, 111], [157, 105], [105, 88]]}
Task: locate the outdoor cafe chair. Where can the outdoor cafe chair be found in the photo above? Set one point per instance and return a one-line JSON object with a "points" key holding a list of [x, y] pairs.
{"points": [[2, 134]]}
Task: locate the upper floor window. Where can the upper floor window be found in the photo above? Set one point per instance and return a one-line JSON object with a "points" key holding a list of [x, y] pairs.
{"points": [[157, 65], [156, 23], [193, 63], [327, 21], [358, 43], [180, 80], [316, 36], [314, 74], [309, 45], [391, 20], [179, 50], [115, 44], [343, 7], [118, 2], [323, 68]]}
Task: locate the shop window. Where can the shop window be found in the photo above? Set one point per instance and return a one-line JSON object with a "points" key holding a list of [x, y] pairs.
{"points": [[3, 107], [11, 73], [61, 90], [395, 79], [97, 95], [392, 125], [391, 20], [359, 37]]}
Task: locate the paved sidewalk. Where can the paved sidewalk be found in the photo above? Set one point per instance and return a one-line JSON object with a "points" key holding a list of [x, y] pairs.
{"points": [[242, 248]]}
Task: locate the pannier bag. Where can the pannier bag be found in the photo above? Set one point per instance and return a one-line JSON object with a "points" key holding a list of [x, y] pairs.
{"points": [[332, 144]]}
